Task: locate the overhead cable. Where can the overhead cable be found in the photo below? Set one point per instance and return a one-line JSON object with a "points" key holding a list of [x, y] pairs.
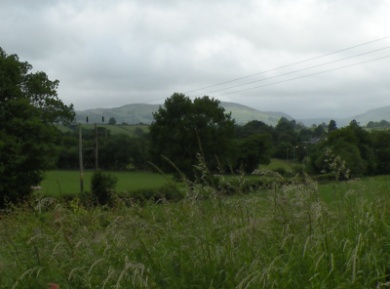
{"points": [[307, 75], [299, 70], [291, 64]]}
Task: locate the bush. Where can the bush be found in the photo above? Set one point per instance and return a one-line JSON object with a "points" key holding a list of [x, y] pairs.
{"points": [[253, 185], [168, 192], [321, 178], [299, 169], [284, 172], [102, 187]]}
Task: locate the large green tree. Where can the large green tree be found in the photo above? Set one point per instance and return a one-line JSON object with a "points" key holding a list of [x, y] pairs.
{"points": [[352, 145], [182, 128], [253, 151], [381, 146], [29, 107]]}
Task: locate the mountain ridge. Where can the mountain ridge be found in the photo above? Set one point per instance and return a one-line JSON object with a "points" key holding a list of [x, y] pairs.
{"points": [[143, 113], [135, 113]]}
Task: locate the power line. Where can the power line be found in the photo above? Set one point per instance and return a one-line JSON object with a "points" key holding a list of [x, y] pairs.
{"points": [[307, 75], [299, 70], [291, 64]]}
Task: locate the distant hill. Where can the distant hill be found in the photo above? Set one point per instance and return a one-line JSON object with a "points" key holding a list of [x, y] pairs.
{"points": [[310, 121], [143, 113], [376, 115]]}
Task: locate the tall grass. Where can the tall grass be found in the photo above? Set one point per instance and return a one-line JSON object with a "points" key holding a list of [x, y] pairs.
{"points": [[289, 238]]}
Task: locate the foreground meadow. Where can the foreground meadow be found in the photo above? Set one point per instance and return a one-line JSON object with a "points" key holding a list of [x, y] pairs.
{"points": [[289, 237]]}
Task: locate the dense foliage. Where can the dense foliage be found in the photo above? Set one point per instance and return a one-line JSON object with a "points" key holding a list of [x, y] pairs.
{"points": [[29, 107], [115, 151], [102, 187], [183, 128], [346, 152]]}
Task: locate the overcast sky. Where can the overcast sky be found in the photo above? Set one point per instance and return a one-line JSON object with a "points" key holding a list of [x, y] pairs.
{"points": [[117, 52]]}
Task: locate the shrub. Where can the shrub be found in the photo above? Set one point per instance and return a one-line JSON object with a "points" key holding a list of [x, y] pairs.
{"points": [[326, 177], [284, 172], [298, 169], [168, 192], [253, 185], [102, 187]]}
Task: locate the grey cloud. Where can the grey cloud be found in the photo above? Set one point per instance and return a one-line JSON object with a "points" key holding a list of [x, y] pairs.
{"points": [[109, 53]]}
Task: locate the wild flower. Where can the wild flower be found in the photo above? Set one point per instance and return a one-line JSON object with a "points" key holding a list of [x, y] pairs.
{"points": [[53, 286], [336, 165]]}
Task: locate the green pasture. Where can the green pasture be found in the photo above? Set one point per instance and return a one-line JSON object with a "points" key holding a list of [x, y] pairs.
{"points": [[58, 183], [120, 129], [128, 129], [368, 188]]}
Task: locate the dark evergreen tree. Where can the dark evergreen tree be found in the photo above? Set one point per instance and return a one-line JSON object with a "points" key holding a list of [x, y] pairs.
{"points": [[332, 126]]}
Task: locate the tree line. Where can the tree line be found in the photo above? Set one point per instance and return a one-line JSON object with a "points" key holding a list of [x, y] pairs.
{"points": [[185, 130]]}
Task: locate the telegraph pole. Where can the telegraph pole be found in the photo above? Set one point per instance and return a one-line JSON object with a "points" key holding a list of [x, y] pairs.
{"points": [[81, 160], [96, 148], [97, 145]]}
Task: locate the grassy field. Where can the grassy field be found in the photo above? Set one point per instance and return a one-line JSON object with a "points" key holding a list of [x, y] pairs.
{"points": [[114, 129], [287, 238], [334, 191], [59, 182], [68, 182]]}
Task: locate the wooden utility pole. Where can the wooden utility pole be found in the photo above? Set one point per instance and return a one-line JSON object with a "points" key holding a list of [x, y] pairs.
{"points": [[96, 148], [81, 160]]}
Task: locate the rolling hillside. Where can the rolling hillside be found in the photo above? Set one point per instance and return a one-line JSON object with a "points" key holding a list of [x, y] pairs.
{"points": [[143, 113], [378, 114]]}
